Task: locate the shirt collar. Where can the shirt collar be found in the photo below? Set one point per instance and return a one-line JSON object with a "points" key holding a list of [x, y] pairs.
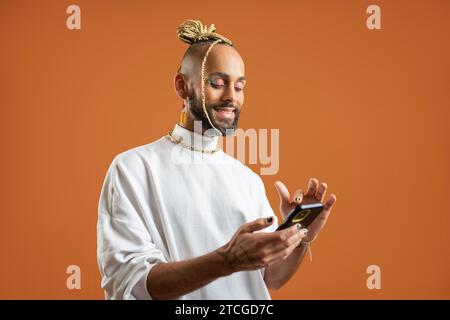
{"points": [[195, 138]]}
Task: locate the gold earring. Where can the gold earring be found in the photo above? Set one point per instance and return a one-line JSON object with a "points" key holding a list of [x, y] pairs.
{"points": [[183, 117]]}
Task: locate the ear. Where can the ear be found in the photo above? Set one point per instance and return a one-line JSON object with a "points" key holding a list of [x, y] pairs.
{"points": [[181, 87]]}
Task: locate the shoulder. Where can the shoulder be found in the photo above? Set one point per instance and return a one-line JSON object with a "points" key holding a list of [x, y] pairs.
{"points": [[138, 155], [136, 161]]}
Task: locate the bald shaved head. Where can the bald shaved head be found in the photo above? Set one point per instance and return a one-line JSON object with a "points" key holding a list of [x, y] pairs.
{"points": [[193, 57]]}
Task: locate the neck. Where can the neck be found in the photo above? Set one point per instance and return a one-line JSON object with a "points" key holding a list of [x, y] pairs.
{"points": [[189, 125], [197, 128]]}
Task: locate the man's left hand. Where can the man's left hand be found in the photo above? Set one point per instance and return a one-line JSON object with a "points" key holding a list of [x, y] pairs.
{"points": [[316, 193]]}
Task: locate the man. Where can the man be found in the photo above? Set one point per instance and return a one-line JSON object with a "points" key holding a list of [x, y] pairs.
{"points": [[171, 228]]}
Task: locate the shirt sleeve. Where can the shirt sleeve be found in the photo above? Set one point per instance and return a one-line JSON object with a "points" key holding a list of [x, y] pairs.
{"points": [[125, 250]]}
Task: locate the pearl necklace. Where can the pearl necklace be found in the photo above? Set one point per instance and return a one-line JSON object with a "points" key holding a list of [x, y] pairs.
{"points": [[179, 140]]}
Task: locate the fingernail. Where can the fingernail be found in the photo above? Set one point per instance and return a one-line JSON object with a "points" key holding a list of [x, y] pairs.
{"points": [[299, 226], [305, 231], [269, 219]]}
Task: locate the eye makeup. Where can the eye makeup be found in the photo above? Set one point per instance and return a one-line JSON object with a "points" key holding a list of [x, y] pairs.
{"points": [[218, 83]]}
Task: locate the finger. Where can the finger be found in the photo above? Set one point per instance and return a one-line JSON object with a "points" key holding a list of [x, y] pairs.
{"points": [[296, 243], [279, 238], [282, 252], [272, 239], [289, 232], [298, 197], [283, 192], [296, 238], [321, 191], [330, 202], [312, 187], [257, 224]]}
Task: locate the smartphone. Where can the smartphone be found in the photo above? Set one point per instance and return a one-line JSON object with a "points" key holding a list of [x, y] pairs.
{"points": [[304, 214]]}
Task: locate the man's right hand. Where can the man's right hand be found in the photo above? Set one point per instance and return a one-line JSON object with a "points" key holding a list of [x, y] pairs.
{"points": [[248, 250]]}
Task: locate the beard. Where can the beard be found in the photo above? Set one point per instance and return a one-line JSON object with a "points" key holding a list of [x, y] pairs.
{"points": [[225, 126]]}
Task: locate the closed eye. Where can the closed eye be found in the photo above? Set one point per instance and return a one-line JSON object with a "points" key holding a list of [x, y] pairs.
{"points": [[220, 83], [239, 86], [216, 83]]}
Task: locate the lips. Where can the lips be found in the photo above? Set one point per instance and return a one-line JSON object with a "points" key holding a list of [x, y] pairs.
{"points": [[225, 113]]}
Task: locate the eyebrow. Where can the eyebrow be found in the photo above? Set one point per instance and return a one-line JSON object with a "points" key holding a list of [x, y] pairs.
{"points": [[224, 75]]}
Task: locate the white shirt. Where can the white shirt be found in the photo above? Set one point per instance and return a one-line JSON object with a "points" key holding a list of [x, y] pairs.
{"points": [[161, 202]]}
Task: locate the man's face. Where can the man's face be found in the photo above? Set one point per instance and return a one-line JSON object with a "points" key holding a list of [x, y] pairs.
{"points": [[224, 90]]}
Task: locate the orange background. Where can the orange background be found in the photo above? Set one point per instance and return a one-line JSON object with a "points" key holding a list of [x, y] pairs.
{"points": [[364, 110]]}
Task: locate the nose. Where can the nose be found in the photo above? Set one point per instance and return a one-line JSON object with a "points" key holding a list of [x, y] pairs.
{"points": [[229, 94]]}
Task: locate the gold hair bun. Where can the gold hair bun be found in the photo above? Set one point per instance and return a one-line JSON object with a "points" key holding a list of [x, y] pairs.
{"points": [[192, 31]]}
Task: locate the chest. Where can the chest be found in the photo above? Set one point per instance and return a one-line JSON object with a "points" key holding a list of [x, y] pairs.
{"points": [[205, 202]]}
